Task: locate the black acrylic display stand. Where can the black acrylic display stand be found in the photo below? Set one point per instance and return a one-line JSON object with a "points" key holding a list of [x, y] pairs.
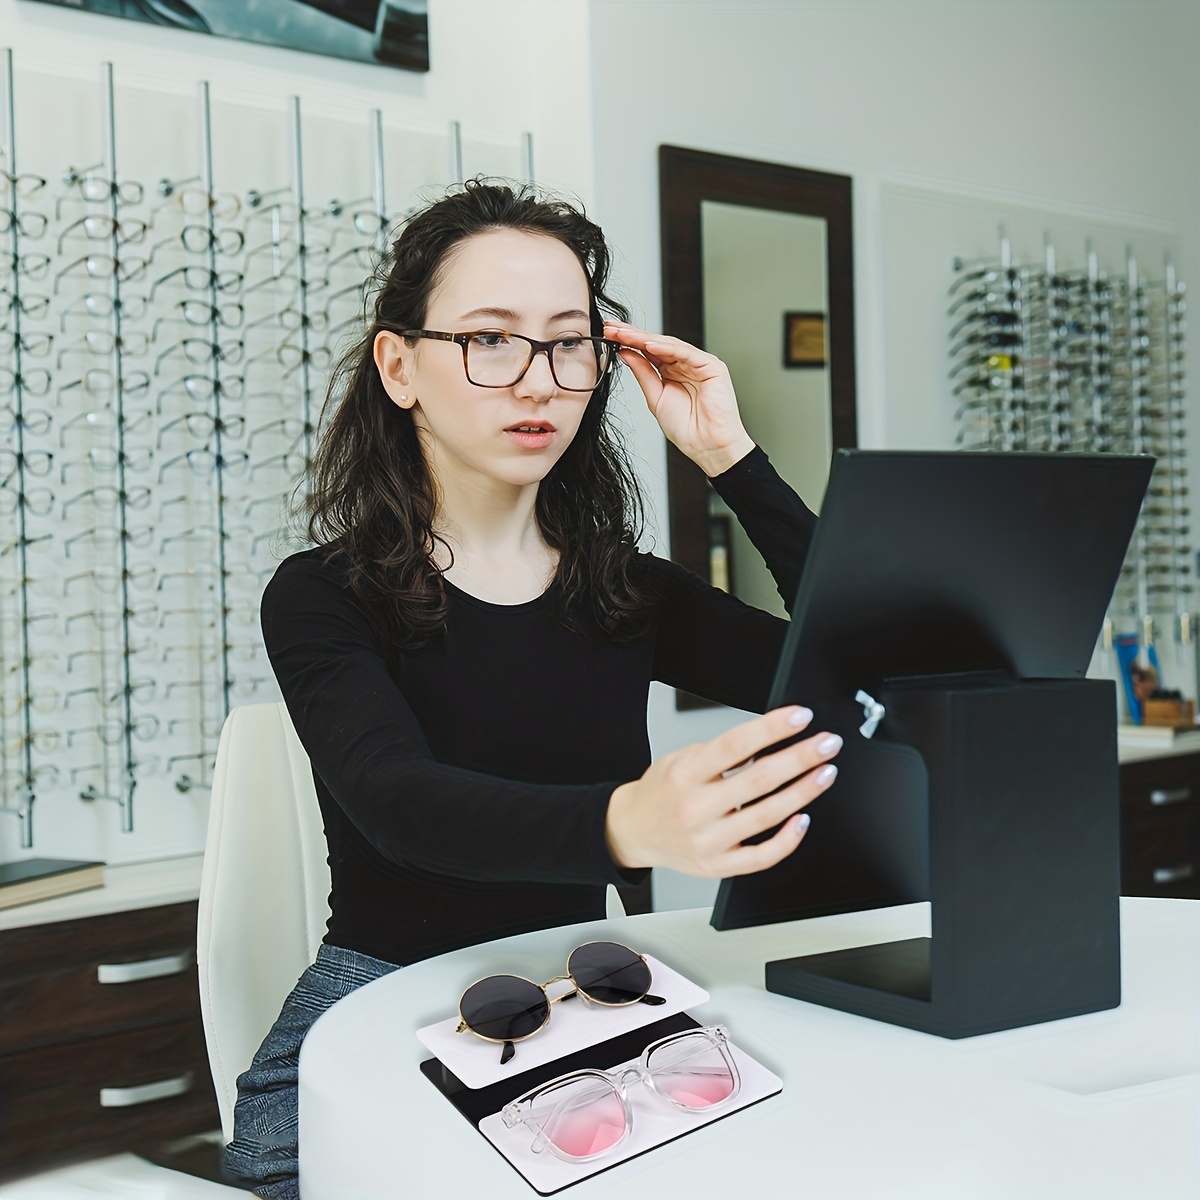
{"points": [[1024, 864]]}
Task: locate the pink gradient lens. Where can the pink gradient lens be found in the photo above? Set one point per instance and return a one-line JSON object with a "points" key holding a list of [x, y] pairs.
{"points": [[588, 1119], [693, 1073], [698, 1091]]}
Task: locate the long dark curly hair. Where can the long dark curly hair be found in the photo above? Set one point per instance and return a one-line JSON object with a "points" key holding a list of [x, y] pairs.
{"points": [[373, 500]]}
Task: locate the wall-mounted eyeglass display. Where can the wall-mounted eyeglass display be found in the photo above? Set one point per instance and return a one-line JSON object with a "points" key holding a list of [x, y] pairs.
{"points": [[1052, 358], [165, 347]]}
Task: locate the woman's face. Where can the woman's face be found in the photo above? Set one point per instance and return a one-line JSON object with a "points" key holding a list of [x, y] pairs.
{"points": [[508, 281]]}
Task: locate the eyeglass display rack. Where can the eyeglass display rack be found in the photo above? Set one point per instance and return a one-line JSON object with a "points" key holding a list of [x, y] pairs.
{"points": [[164, 353], [1044, 358]]}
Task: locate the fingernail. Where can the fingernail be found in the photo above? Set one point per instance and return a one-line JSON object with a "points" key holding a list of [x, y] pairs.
{"points": [[829, 745], [801, 823], [826, 775], [801, 716]]}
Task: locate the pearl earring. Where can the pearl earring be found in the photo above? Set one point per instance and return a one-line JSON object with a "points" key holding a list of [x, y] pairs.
{"points": [[403, 399]]}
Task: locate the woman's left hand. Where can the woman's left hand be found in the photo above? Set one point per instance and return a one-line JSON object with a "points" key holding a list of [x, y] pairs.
{"points": [[689, 393]]}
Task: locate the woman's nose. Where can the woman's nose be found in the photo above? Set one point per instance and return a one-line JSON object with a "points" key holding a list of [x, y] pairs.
{"points": [[538, 380]]}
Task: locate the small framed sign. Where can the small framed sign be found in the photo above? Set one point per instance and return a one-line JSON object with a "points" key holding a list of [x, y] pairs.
{"points": [[804, 340]]}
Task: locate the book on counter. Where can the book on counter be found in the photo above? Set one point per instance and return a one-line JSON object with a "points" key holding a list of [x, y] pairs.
{"points": [[31, 879]]}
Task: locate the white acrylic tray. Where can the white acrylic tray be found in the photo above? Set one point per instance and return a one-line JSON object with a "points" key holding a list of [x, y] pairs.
{"points": [[654, 1123], [573, 1026]]}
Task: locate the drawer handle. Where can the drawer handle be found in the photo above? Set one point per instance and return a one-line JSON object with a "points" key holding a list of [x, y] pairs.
{"points": [[150, 968], [1161, 796], [1173, 874], [145, 1093]]}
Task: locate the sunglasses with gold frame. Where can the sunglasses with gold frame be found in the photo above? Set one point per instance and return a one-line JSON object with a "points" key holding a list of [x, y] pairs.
{"points": [[506, 1009]]}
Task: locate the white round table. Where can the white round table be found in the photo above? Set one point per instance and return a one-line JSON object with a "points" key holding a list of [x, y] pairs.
{"points": [[1103, 1105]]}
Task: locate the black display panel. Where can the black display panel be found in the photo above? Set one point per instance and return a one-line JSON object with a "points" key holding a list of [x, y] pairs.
{"points": [[926, 565]]}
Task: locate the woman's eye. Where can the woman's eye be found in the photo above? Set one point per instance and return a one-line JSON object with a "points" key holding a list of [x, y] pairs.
{"points": [[570, 344], [489, 341]]}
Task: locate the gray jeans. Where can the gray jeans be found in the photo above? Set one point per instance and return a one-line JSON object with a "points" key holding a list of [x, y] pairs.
{"points": [[264, 1154]]}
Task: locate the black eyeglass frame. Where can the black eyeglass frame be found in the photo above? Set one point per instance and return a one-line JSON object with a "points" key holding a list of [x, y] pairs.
{"points": [[536, 347]]}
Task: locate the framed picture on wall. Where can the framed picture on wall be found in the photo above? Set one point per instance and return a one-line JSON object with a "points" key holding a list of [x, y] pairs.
{"points": [[394, 33], [804, 340]]}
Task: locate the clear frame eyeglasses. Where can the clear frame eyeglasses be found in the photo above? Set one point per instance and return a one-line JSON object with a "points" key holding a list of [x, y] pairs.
{"points": [[586, 1114], [496, 359]]}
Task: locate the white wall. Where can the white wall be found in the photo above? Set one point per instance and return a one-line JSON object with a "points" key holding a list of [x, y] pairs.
{"points": [[1048, 104]]}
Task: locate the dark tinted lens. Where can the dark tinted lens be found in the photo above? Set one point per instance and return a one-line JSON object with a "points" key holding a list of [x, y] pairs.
{"points": [[609, 972], [505, 1008]]}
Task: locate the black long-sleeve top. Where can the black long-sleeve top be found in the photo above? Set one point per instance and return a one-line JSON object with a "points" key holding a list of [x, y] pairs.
{"points": [[464, 786]]}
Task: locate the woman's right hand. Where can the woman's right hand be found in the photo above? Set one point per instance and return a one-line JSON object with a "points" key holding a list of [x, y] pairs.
{"points": [[693, 808]]}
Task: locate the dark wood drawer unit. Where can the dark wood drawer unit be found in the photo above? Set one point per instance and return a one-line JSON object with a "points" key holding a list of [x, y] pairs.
{"points": [[101, 1043], [77, 979], [124, 1090], [1160, 827]]}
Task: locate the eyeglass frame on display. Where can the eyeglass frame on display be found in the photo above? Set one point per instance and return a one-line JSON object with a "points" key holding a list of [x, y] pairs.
{"points": [[717, 1037], [123, 232]]}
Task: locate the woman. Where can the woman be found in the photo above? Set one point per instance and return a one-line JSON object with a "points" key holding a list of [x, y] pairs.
{"points": [[467, 651]]}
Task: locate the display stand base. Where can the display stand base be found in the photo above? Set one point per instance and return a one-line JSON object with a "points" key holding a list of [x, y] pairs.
{"points": [[1024, 866]]}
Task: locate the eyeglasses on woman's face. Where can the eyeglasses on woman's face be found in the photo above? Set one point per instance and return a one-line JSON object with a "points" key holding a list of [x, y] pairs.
{"points": [[494, 358]]}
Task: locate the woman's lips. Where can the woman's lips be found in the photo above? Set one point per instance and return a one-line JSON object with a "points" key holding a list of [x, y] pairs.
{"points": [[532, 441], [537, 423]]}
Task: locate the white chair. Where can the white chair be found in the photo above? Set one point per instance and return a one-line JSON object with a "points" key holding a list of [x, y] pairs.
{"points": [[264, 889]]}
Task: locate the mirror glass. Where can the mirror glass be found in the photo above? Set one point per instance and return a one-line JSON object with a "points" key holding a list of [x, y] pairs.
{"points": [[758, 268], [765, 310]]}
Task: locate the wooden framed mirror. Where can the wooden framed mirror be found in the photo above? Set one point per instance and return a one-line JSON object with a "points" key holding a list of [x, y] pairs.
{"points": [[757, 268]]}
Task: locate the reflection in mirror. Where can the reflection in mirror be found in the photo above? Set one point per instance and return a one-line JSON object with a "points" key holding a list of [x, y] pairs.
{"points": [[761, 267]]}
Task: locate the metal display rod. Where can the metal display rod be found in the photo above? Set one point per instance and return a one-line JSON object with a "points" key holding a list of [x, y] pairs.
{"points": [[23, 809], [126, 789], [125, 799], [379, 189], [456, 151], [527, 145], [218, 424], [302, 274]]}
